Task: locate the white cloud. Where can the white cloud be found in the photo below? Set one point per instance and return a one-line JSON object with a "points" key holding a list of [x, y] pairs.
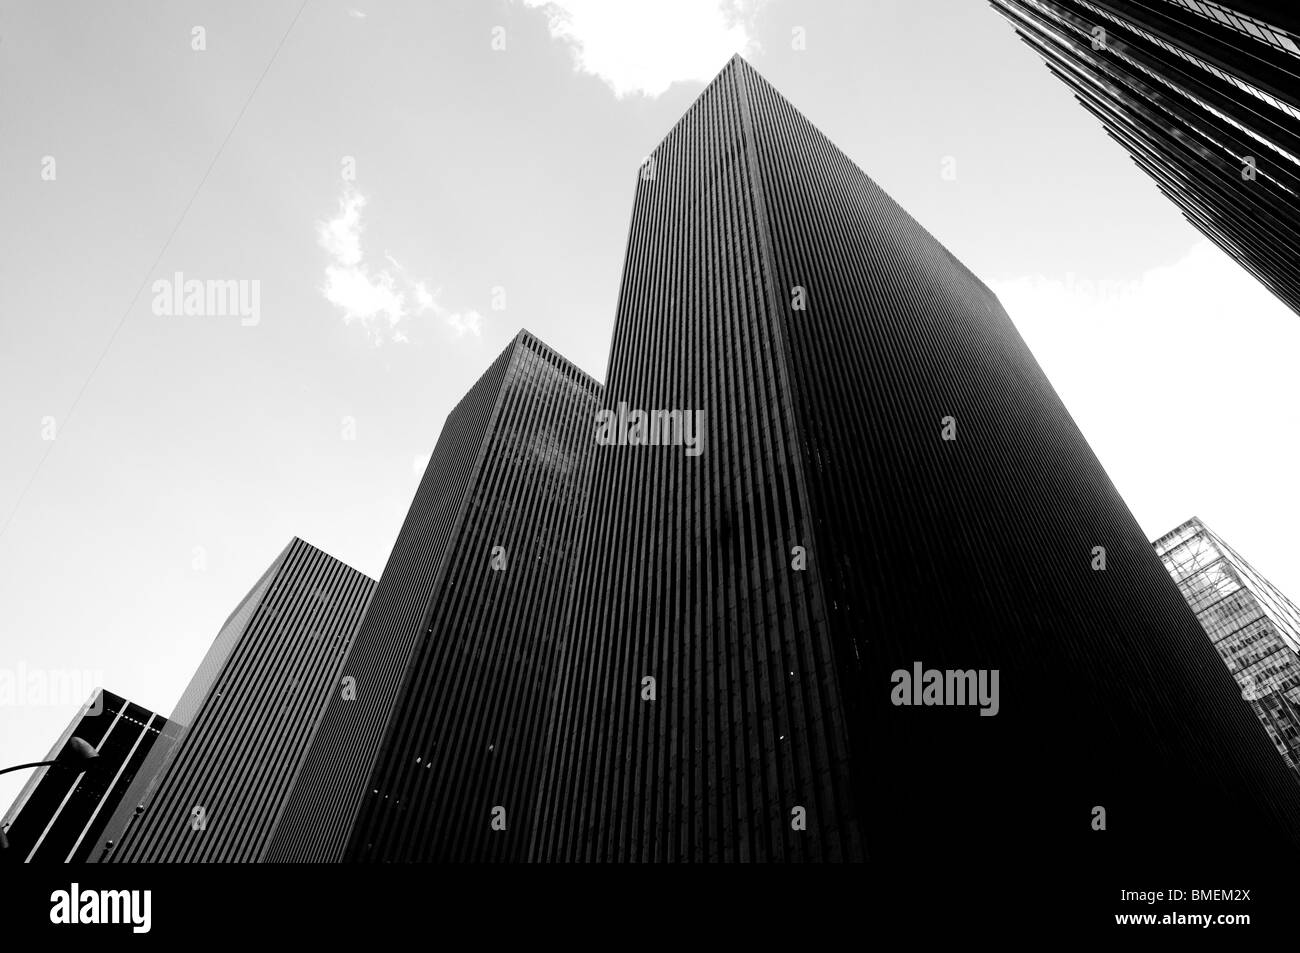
{"points": [[466, 323], [376, 297], [423, 297], [362, 297], [644, 46], [341, 236]]}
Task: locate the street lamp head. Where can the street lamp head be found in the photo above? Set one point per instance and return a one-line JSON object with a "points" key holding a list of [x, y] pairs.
{"points": [[77, 753]]}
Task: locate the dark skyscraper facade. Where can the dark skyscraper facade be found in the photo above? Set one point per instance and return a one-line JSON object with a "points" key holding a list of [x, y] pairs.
{"points": [[1205, 97], [1253, 625], [888, 486], [456, 653], [60, 812], [245, 721]]}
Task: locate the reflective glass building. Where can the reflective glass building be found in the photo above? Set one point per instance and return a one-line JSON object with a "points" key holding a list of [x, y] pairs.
{"points": [[1254, 627], [886, 484], [243, 725], [1205, 96], [438, 758], [60, 812]]}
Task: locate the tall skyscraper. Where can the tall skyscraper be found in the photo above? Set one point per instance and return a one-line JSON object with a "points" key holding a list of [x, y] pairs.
{"points": [[1254, 627], [60, 812], [1205, 96], [245, 721], [456, 653], [885, 607]]}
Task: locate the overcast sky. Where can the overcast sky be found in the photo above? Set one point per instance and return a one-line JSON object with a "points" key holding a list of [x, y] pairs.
{"points": [[152, 465]]}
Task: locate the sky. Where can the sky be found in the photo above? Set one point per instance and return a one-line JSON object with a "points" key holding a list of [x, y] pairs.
{"points": [[396, 188]]}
